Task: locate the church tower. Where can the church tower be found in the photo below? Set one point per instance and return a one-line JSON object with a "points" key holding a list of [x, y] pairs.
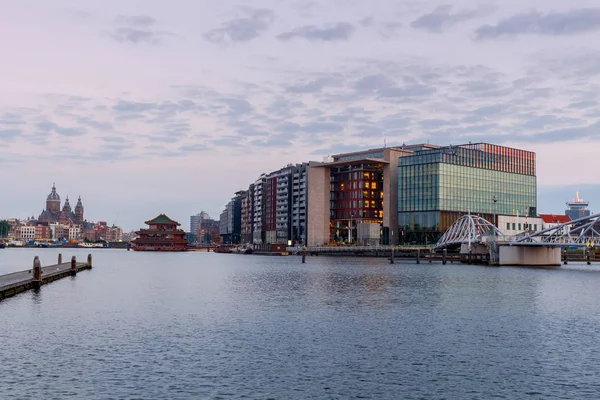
{"points": [[79, 212], [53, 201], [67, 207]]}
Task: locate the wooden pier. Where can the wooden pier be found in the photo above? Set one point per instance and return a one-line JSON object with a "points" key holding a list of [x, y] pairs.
{"points": [[34, 278]]}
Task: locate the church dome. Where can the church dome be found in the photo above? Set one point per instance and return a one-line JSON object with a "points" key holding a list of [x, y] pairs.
{"points": [[53, 195]]}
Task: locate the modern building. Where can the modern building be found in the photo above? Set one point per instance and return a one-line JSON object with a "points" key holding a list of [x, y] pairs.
{"points": [[349, 189], [274, 209], [436, 186], [248, 215], [578, 208], [230, 221]]}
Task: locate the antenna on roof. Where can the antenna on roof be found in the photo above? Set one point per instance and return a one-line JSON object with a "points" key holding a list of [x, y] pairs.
{"points": [[384, 141]]}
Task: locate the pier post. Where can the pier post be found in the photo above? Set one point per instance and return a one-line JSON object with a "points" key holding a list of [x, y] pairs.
{"points": [[392, 259], [565, 257], [418, 256], [470, 257], [37, 273], [444, 255], [73, 266], [303, 256], [89, 261], [60, 258]]}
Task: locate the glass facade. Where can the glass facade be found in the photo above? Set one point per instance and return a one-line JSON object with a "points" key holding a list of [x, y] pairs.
{"points": [[438, 186]]}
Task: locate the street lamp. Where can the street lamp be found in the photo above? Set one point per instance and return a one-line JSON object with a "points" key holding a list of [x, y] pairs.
{"points": [[350, 228], [495, 200]]}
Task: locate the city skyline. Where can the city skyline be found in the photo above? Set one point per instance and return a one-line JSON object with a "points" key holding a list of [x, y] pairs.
{"points": [[172, 108]]}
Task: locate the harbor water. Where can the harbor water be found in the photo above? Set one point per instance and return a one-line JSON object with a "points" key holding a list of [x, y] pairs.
{"points": [[201, 325]]}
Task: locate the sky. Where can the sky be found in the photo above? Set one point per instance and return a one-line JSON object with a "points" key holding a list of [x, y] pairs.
{"points": [[146, 107]]}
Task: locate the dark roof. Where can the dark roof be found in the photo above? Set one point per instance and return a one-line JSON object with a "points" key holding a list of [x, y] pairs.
{"points": [[162, 219]]}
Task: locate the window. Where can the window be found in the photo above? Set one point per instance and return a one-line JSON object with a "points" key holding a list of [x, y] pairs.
{"points": [[519, 227], [508, 226], [513, 226]]}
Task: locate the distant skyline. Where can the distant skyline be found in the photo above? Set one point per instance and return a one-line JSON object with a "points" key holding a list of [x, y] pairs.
{"points": [[170, 107]]}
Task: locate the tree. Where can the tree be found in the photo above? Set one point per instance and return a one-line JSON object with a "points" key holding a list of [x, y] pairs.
{"points": [[4, 228]]}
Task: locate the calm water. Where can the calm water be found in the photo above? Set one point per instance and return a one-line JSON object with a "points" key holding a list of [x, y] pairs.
{"points": [[210, 326]]}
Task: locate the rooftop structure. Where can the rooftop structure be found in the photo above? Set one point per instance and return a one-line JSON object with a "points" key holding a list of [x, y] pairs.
{"points": [[578, 208]]}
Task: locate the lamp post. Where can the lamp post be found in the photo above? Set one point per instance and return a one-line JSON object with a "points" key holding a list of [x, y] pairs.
{"points": [[495, 200], [350, 228]]}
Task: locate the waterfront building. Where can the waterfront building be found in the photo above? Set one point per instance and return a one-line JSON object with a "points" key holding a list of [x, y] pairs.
{"points": [[247, 215], [195, 223], [258, 218], [274, 211], [578, 208], [349, 189], [436, 186], [299, 203], [230, 220], [162, 234]]}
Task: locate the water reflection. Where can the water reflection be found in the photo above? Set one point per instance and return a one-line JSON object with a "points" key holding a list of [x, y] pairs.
{"points": [[186, 326]]}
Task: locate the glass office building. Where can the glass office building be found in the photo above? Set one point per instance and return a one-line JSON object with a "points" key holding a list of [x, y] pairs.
{"points": [[438, 186]]}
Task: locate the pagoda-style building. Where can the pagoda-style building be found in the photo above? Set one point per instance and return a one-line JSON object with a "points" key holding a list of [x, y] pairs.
{"points": [[162, 234]]}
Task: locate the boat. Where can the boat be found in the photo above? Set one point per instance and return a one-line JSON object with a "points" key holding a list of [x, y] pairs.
{"points": [[90, 245], [2, 245]]}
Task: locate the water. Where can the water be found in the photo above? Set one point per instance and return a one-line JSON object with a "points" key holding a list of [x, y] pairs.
{"points": [[218, 326]]}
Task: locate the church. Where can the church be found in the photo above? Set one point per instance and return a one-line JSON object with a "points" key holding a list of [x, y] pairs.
{"points": [[53, 212]]}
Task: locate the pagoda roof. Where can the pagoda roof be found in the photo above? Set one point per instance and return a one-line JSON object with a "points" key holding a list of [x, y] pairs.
{"points": [[162, 219]]}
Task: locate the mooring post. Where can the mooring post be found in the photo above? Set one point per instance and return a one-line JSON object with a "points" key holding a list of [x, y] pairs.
{"points": [[565, 257], [418, 256], [73, 266], [60, 258], [444, 255], [37, 273], [392, 259], [470, 257], [303, 255], [89, 260]]}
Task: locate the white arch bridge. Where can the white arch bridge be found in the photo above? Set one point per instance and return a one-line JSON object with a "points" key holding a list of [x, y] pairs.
{"points": [[475, 234]]}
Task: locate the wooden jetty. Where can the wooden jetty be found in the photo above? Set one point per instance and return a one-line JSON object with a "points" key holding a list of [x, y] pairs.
{"points": [[34, 278]]}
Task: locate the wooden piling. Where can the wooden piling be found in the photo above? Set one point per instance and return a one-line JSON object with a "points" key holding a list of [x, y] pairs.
{"points": [[470, 257], [565, 257], [303, 256], [392, 259], [444, 255], [73, 266], [59, 258], [89, 260], [37, 273], [418, 256]]}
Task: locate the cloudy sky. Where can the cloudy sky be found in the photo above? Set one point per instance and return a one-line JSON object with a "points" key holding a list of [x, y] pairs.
{"points": [[152, 106]]}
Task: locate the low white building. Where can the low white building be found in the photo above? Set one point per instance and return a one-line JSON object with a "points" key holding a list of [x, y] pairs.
{"points": [[27, 232], [512, 225]]}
